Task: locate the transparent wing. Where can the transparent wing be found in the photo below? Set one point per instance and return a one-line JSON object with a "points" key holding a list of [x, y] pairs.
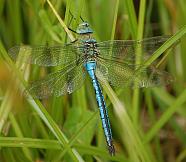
{"points": [[125, 75], [62, 82], [46, 55], [124, 50]]}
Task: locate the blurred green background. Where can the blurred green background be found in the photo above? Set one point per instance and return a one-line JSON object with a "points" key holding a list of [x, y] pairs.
{"points": [[148, 125]]}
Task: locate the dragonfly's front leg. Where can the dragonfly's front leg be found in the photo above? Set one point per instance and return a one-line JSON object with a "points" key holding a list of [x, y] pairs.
{"points": [[90, 67]]}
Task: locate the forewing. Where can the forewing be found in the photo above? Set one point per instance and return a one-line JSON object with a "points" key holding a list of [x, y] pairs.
{"points": [[125, 75], [46, 55], [125, 50], [62, 82]]}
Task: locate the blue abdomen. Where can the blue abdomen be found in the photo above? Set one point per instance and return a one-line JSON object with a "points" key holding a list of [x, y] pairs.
{"points": [[91, 67]]}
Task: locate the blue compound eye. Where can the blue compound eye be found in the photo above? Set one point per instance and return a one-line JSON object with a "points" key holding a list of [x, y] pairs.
{"points": [[84, 28], [86, 24]]}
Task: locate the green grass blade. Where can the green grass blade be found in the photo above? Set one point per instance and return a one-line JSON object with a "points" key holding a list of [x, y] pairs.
{"points": [[165, 117], [168, 44], [138, 61], [42, 112], [48, 26], [61, 22], [54, 144], [19, 134], [115, 20], [127, 127], [132, 17]]}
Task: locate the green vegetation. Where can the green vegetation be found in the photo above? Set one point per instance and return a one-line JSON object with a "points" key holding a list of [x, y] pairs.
{"points": [[149, 125]]}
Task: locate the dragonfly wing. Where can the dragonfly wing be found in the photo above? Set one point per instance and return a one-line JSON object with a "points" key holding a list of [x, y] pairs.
{"points": [[62, 82], [124, 50], [125, 75], [45, 55]]}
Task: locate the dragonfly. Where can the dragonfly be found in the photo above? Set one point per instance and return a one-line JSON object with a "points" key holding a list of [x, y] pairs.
{"points": [[112, 61]]}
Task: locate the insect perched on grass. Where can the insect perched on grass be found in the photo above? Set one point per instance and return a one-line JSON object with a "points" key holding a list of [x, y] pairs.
{"points": [[112, 61]]}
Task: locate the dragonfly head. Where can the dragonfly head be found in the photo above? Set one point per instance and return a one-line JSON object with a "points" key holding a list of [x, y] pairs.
{"points": [[84, 28]]}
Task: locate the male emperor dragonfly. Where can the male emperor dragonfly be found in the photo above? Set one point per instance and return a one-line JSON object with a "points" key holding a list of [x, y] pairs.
{"points": [[113, 61]]}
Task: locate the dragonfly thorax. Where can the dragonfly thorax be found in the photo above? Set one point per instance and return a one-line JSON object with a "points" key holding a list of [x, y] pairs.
{"points": [[90, 49]]}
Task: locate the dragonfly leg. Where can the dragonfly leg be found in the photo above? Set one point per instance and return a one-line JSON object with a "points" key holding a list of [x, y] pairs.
{"points": [[72, 30]]}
